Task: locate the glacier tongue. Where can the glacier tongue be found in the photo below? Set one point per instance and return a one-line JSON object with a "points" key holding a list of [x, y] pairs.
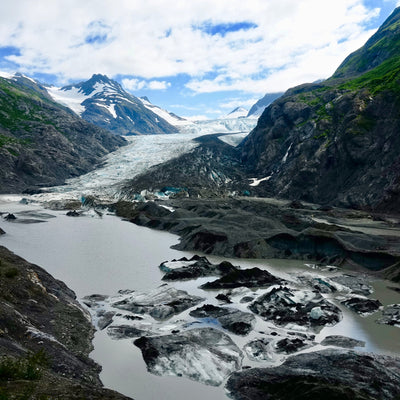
{"points": [[142, 153]]}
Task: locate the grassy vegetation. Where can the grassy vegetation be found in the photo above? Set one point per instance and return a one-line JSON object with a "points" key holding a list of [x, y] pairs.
{"points": [[26, 368], [385, 77], [20, 107]]}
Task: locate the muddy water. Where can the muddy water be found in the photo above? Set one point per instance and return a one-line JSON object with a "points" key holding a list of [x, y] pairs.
{"points": [[102, 255]]}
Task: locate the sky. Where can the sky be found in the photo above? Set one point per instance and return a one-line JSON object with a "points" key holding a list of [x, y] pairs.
{"points": [[197, 58]]}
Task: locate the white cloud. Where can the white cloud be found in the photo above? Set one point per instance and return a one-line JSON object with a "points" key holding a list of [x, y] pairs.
{"points": [[137, 84], [291, 41], [158, 85], [231, 104]]}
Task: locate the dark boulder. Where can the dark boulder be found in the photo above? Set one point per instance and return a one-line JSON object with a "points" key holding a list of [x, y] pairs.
{"points": [[342, 341], [126, 331], [289, 306], [327, 374], [233, 320], [290, 345], [200, 267], [362, 305], [73, 213], [390, 315], [252, 277]]}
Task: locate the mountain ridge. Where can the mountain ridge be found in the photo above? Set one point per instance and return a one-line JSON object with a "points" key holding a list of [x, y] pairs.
{"points": [[103, 102]]}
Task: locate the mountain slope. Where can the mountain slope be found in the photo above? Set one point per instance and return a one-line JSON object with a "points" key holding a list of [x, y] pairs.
{"points": [[171, 118], [105, 103], [238, 112], [382, 46], [257, 109], [336, 142], [41, 142]]}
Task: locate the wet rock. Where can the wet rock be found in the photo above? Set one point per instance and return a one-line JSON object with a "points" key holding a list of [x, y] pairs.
{"points": [[289, 306], [93, 300], [390, 315], [342, 341], [205, 355], [356, 284], [194, 268], [328, 374], [250, 278], [362, 306], [10, 217], [320, 284], [224, 298], [2, 232], [73, 213], [233, 320], [105, 319], [127, 332], [291, 345], [160, 303], [246, 299], [259, 350]]}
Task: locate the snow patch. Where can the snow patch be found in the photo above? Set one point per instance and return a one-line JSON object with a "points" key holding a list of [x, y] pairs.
{"points": [[256, 181], [287, 153], [72, 98]]}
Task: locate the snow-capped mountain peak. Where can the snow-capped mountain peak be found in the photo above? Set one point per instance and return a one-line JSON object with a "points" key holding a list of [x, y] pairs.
{"points": [[238, 112], [105, 103]]}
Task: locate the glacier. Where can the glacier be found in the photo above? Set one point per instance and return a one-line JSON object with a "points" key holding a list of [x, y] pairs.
{"points": [[140, 154]]}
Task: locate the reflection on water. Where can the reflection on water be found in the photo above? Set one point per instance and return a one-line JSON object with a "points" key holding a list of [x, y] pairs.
{"points": [[93, 255]]}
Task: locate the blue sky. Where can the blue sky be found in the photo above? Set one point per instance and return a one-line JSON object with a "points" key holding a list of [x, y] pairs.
{"points": [[198, 58]]}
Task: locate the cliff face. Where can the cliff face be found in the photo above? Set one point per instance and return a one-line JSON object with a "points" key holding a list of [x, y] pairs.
{"points": [[43, 143], [336, 142]]}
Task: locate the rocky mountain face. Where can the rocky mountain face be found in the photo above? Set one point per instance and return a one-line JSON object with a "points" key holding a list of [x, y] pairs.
{"points": [[103, 102], [257, 109], [337, 141], [43, 143]]}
